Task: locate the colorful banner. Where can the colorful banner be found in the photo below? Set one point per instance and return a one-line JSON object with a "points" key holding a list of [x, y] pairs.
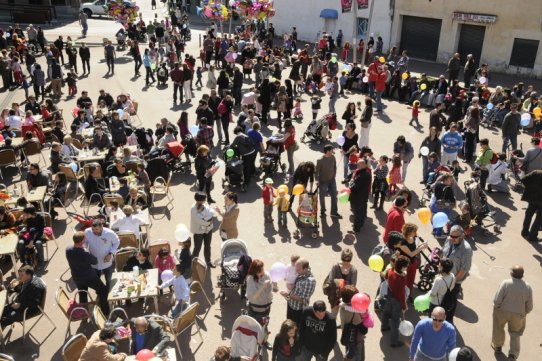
{"points": [[363, 4], [346, 6]]}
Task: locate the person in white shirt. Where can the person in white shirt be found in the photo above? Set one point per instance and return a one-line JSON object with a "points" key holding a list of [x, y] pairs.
{"points": [[14, 121], [180, 289], [201, 226], [496, 179], [68, 149], [102, 243], [128, 223]]}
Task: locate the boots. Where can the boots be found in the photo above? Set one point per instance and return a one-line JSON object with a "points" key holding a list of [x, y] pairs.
{"points": [[381, 205], [375, 200]]}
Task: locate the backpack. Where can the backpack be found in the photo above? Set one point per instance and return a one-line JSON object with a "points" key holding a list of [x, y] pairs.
{"points": [[222, 108], [161, 72], [332, 121], [448, 300], [495, 158]]}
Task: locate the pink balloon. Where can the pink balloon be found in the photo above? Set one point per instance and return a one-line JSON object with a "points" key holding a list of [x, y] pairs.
{"points": [[360, 302], [345, 190], [368, 320], [144, 355]]}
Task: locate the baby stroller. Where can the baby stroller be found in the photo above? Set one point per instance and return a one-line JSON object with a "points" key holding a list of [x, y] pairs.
{"points": [[84, 222], [319, 130], [479, 207], [121, 39], [490, 117], [428, 270], [247, 338], [428, 190], [307, 214], [270, 159], [515, 170], [234, 176], [234, 265], [173, 156]]}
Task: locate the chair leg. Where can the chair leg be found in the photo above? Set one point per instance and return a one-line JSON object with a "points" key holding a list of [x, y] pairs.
{"points": [[178, 346]]}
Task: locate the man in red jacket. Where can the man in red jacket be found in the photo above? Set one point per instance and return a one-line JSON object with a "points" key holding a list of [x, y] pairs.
{"points": [[395, 218], [372, 72], [381, 86]]}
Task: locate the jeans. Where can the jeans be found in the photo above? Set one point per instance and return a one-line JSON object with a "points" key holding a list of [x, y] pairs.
{"points": [[218, 125], [448, 158], [294, 315], [236, 92], [307, 355], [404, 171], [531, 210], [268, 212], [391, 317], [38, 244], [86, 65], [178, 308], [371, 88], [425, 172], [290, 154], [108, 273], [470, 142], [110, 63], [148, 75], [205, 183], [332, 101], [282, 216], [345, 165], [205, 239], [225, 120], [85, 29], [177, 88], [379, 101], [484, 173], [328, 187], [513, 139], [137, 64]]}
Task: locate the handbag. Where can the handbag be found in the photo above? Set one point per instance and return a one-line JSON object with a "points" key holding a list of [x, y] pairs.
{"points": [[76, 310], [349, 333], [525, 166]]}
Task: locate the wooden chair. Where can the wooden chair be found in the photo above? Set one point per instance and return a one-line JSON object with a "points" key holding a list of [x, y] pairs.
{"points": [[77, 143], [122, 255], [33, 147], [109, 197], [62, 300], [74, 347], [100, 320], [73, 177], [161, 188], [131, 166], [52, 237], [182, 323], [199, 274], [155, 248], [7, 158], [41, 308], [128, 239]]}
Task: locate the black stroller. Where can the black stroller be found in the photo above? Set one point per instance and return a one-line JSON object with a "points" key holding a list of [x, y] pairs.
{"points": [[429, 270], [234, 175], [270, 159]]}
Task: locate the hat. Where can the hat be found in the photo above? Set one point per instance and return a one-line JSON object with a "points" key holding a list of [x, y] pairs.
{"points": [[268, 181], [465, 354]]}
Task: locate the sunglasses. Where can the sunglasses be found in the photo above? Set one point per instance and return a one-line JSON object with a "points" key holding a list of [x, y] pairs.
{"points": [[454, 237], [437, 320]]}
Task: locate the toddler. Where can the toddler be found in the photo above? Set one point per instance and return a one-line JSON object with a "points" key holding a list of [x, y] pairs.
{"points": [[181, 289], [342, 82], [315, 105], [25, 87], [291, 273], [297, 109], [415, 113], [199, 75], [395, 174], [268, 193], [72, 84], [283, 204]]}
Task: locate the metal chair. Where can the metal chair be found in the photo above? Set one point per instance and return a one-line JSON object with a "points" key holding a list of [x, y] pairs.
{"points": [[74, 347], [161, 188], [182, 323], [131, 166], [32, 147], [109, 197], [100, 320], [4, 357], [94, 200], [121, 257], [73, 177], [62, 300], [41, 308], [128, 239], [52, 237], [7, 158], [155, 248], [199, 274]]}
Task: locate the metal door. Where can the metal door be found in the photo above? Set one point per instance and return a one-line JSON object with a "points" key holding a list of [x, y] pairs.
{"points": [[471, 41], [420, 37]]}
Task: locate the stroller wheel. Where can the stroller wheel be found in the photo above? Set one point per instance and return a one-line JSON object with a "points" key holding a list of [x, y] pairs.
{"points": [[486, 232], [296, 233], [497, 229], [318, 142], [283, 167], [314, 235], [424, 285]]}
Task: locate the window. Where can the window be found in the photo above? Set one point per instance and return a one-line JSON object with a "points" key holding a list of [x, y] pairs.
{"points": [[363, 24], [524, 53]]}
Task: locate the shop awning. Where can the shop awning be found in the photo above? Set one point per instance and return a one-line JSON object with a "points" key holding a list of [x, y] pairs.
{"points": [[329, 14]]}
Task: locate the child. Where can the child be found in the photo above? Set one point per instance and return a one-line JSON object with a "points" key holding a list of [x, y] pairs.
{"points": [[17, 71], [395, 174], [464, 217], [345, 50], [353, 157], [268, 193], [181, 289], [283, 203], [342, 82], [164, 261], [25, 87], [185, 257], [297, 108], [380, 184], [315, 105], [415, 113], [199, 75], [432, 165], [291, 273], [72, 84], [310, 85], [455, 169]]}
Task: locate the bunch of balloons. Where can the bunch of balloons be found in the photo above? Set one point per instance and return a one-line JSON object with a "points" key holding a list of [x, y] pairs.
{"points": [[213, 9], [123, 11], [254, 9]]}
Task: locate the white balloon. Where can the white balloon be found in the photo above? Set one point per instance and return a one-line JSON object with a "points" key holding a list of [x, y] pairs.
{"points": [[406, 328], [234, 56], [181, 233], [424, 151], [365, 79], [453, 354], [277, 272], [341, 140], [483, 80], [232, 2]]}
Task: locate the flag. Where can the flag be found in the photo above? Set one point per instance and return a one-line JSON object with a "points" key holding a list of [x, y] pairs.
{"points": [[346, 6], [363, 4]]}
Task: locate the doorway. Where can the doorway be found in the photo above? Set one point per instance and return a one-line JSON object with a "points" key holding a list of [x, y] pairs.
{"points": [[471, 41]]}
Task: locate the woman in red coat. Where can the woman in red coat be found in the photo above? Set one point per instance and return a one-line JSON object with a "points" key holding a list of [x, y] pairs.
{"points": [[395, 218], [381, 78]]}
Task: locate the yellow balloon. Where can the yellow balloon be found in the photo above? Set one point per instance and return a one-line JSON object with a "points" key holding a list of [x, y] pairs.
{"points": [[388, 179], [404, 76], [298, 189], [376, 263], [424, 214], [382, 59], [423, 86], [285, 187], [537, 112]]}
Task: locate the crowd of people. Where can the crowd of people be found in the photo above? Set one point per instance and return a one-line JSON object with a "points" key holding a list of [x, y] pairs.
{"points": [[245, 79]]}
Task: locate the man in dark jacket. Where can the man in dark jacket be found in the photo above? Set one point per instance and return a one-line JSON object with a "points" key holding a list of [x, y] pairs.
{"points": [[360, 186], [454, 65], [510, 128], [533, 196], [29, 291], [100, 140], [59, 44], [84, 54], [243, 147], [436, 118], [84, 276], [318, 332], [237, 85], [35, 177], [147, 335], [177, 77]]}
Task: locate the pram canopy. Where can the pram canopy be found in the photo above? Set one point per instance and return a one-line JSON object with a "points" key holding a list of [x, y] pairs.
{"points": [[247, 336]]}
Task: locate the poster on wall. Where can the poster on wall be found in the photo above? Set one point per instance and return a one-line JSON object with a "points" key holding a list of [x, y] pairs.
{"points": [[346, 6], [363, 4]]}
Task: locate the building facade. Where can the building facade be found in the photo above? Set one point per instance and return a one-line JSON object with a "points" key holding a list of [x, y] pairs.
{"points": [[504, 34], [312, 17]]}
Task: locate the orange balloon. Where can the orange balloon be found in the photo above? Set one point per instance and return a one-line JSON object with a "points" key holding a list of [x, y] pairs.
{"points": [[424, 214]]}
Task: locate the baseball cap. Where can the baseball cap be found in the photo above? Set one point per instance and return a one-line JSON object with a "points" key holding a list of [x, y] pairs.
{"points": [[268, 181]]}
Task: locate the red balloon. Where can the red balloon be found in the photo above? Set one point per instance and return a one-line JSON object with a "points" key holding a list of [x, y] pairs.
{"points": [[345, 190], [360, 302], [144, 355]]}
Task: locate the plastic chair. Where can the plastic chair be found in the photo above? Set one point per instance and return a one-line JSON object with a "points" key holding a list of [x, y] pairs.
{"points": [[7, 158], [74, 347], [199, 274], [41, 308], [32, 147], [62, 300], [121, 257], [49, 223], [161, 188], [182, 323]]}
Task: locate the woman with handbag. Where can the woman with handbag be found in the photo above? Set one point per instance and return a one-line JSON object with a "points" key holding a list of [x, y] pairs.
{"points": [[342, 274], [365, 120], [286, 346], [353, 326], [228, 227], [410, 249], [443, 282]]}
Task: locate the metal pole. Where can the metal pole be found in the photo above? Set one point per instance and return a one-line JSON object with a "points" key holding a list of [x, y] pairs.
{"points": [[355, 32], [371, 7]]}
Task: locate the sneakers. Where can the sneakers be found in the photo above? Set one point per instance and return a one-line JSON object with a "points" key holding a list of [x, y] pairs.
{"points": [[497, 349], [336, 215]]}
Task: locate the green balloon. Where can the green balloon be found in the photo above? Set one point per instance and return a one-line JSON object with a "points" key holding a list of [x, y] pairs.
{"points": [[422, 302], [230, 153], [344, 197]]}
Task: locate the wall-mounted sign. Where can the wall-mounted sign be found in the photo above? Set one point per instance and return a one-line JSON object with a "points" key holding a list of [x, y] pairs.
{"points": [[475, 18]]}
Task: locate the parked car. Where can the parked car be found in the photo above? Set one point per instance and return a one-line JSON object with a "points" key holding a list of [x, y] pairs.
{"points": [[99, 7]]}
